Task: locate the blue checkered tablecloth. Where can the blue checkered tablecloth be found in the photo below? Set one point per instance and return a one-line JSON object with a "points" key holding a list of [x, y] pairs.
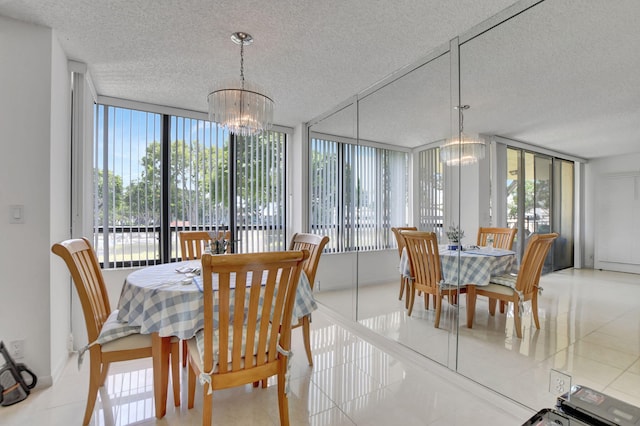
{"points": [[159, 299], [476, 266]]}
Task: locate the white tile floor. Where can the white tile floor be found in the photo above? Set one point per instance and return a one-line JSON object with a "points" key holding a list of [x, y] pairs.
{"points": [[359, 378], [590, 329]]}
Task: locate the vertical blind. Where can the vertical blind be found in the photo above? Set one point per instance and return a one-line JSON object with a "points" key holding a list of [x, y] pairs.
{"points": [[430, 191], [357, 193]]}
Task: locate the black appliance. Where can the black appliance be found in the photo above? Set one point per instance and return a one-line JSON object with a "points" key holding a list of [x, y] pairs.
{"points": [[583, 406]]}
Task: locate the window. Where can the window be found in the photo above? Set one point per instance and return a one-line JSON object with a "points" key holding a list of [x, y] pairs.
{"points": [[357, 193], [430, 191], [156, 175]]}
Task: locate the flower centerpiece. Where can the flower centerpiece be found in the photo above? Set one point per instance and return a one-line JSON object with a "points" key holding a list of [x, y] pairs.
{"points": [[455, 236], [218, 244]]}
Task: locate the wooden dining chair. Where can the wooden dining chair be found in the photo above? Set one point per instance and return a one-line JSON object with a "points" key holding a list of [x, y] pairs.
{"points": [[520, 288], [404, 281], [101, 322], [247, 328], [502, 237], [426, 271], [315, 244], [192, 245]]}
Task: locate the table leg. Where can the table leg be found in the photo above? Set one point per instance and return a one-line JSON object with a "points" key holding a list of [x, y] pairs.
{"points": [[161, 350], [471, 304]]}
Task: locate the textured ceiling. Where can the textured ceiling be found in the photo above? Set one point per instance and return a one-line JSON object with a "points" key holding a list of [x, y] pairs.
{"points": [[561, 75]]}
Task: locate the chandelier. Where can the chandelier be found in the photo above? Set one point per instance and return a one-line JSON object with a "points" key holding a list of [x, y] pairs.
{"points": [[462, 149], [241, 109]]}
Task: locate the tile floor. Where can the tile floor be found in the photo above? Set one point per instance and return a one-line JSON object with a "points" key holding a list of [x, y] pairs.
{"points": [[359, 378], [590, 330]]}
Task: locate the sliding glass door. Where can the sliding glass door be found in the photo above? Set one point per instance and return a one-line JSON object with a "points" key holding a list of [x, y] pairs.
{"points": [[540, 200]]}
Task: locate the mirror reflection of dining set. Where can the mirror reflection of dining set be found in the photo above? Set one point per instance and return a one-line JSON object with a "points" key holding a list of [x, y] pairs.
{"points": [[232, 312], [441, 272]]}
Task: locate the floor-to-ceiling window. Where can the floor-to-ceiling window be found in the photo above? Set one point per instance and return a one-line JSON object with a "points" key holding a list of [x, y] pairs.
{"points": [[157, 174]]}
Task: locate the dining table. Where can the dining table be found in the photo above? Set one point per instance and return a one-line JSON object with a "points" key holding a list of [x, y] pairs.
{"points": [[166, 300], [469, 267]]}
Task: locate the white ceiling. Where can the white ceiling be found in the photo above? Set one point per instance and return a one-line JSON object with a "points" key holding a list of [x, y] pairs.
{"points": [[563, 75]]}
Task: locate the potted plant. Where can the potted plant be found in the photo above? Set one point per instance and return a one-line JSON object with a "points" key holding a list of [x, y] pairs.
{"points": [[455, 236]]}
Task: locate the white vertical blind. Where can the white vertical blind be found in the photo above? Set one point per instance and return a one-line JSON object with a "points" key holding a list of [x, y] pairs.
{"points": [[431, 194], [357, 194]]}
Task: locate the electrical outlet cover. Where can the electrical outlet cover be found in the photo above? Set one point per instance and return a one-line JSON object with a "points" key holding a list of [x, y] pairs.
{"points": [[559, 382], [16, 349]]}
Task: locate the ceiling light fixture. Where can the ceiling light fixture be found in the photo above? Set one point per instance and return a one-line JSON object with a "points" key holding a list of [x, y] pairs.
{"points": [[462, 149], [242, 110]]}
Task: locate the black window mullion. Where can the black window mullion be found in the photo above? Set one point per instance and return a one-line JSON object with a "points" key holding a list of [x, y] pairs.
{"points": [[233, 191], [165, 230]]}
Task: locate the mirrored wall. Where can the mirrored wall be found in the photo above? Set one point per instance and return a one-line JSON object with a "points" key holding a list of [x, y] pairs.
{"points": [[516, 72]]}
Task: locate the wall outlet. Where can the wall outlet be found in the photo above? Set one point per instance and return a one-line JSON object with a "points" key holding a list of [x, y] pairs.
{"points": [[559, 382], [16, 349]]}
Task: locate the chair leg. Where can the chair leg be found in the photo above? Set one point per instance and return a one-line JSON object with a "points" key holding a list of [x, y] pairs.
{"points": [[207, 406], [306, 334], [401, 287], [438, 309], [104, 373], [175, 372], [492, 306], [534, 308], [471, 304], [283, 401], [411, 297], [191, 387], [95, 380], [503, 306], [184, 353], [516, 318]]}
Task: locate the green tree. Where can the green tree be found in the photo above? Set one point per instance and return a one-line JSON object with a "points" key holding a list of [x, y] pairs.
{"points": [[114, 196]]}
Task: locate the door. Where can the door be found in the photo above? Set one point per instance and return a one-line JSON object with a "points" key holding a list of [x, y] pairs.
{"points": [[540, 200]]}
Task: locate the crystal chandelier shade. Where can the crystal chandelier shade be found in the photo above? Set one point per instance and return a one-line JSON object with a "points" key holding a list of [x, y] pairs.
{"points": [[463, 149], [241, 109]]}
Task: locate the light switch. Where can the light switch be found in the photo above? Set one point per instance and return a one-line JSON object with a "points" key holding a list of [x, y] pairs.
{"points": [[16, 214]]}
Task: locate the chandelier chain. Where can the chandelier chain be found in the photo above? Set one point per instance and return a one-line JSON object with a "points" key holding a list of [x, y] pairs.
{"points": [[242, 64]]}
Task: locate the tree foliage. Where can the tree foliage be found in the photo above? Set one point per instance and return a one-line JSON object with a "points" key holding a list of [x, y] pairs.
{"points": [[199, 183]]}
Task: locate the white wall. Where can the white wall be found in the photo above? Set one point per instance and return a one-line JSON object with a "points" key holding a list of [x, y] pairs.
{"points": [[31, 64], [342, 270], [595, 170], [60, 204]]}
